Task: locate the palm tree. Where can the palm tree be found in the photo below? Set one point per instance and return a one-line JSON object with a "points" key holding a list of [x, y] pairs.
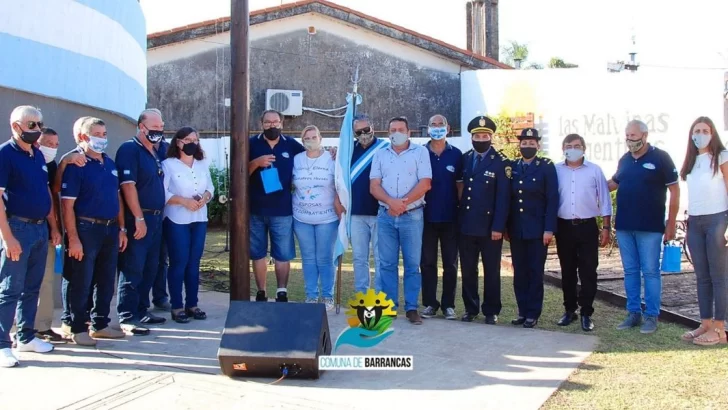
{"points": [[515, 54]]}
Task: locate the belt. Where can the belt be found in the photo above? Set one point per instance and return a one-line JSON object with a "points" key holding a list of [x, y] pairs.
{"points": [[27, 220], [407, 211], [577, 221], [106, 222], [152, 211]]}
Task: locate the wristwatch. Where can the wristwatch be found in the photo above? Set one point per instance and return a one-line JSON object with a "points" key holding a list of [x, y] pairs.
{"points": [[139, 219], [123, 230]]}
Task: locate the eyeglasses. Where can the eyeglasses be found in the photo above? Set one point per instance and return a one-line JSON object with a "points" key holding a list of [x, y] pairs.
{"points": [[366, 130], [272, 123], [32, 124]]}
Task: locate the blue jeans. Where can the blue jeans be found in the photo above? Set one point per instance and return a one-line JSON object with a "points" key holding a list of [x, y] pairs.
{"points": [[280, 228], [138, 267], [159, 289], [405, 232], [363, 232], [640, 253], [94, 275], [20, 281], [317, 254], [186, 244]]}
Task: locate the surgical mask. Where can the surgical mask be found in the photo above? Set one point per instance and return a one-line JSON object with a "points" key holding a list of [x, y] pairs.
{"points": [[481, 147], [190, 148], [701, 140], [30, 137], [154, 136], [48, 153], [528, 152], [398, 139], [635, 146], [573, 154], [97, 145], [437, 133], [272, 133], [312, 145]]}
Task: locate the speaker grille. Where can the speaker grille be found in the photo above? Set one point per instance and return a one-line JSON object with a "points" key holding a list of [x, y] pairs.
{"points": [[279, 102]]}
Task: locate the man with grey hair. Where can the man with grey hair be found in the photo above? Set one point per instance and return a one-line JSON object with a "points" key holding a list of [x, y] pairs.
{"points": [[142, 188], [364, 206], [643, 177], [23, 232]]}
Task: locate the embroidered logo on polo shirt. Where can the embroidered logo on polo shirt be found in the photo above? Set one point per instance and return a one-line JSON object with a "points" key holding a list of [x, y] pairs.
{"points": [[115, 173], [45, 168], [127, 172], [285, 155], [64, 185], [450, 168], [648, 165]]}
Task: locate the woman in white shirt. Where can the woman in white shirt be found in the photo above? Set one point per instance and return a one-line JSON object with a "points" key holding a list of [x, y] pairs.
{"points": [[315, 216], [188, 189], [706, 171]]}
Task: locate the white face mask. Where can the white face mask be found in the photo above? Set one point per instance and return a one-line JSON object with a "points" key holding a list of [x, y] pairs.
{"points": [[48, 153], [398, 139]]}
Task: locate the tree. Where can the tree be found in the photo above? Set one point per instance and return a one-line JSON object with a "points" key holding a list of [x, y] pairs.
{"points": [[556, 62], [515, 51]]}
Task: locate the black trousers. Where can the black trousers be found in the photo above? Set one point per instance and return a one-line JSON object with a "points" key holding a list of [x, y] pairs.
{"points": [[446, 234], [578, 249], [529, 258], [471, 248]]}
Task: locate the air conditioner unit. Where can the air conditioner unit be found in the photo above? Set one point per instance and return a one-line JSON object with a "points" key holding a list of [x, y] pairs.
{"points": [[287, 102]]}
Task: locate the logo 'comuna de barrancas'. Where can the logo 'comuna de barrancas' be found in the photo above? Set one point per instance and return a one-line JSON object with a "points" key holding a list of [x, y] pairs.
{"points": [[370, 318]]}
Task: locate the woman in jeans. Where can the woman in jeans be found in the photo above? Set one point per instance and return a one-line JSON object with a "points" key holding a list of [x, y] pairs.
{"points": [[188, 189], [316, 211], [706, 171]]}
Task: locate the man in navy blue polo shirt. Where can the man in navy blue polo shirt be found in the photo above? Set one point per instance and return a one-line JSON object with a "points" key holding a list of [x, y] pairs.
{"points": [[364, 207], [94, 223], [271, 204], [441, 208], [24, 233], [142, 187], [643, 176]]}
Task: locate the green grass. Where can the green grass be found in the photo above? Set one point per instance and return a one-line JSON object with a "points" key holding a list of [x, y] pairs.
{"points": [[628, 370]]}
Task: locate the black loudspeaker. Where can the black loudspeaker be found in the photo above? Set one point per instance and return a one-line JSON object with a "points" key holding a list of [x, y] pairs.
{"points": [[268, 339]]}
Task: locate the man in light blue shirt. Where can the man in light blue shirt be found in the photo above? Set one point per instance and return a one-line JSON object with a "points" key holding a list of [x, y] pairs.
{"points": [[583, 195], [400, 177]]}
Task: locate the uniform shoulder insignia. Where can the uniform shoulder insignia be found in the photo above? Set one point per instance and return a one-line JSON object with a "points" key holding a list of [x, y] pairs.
{"points": [[547, 160]]}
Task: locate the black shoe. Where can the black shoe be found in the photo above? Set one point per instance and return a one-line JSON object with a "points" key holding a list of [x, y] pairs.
{"points": [[151, 319], [282, 297], [530, 323], [469, 317], [260, 296], [567, 319], [491, 319], [519, 321], [587, 324]]}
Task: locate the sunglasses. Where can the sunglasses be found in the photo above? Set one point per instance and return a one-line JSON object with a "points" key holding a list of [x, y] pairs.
{"points": [[32, 124], [366, 130]]}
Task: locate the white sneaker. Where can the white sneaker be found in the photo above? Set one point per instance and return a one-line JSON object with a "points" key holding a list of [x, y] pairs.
{"points": [[36, 345], [329, 304], [312, 300], [7, 359]]}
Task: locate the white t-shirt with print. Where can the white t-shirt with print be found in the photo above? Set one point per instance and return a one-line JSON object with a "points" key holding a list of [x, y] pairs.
{"points": [[314, 189], [707, 193]]}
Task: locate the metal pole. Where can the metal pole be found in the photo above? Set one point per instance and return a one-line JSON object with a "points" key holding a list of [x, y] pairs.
{"points": [[239, 216]]}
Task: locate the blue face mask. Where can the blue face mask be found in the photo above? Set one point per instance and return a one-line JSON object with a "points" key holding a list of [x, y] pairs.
{"points": [[97, 145], [574, 155], [437, 133], [398, 139], [701, 140]]}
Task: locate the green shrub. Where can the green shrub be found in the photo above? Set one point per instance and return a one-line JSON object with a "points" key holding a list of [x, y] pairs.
{"points": [[217, 213]]}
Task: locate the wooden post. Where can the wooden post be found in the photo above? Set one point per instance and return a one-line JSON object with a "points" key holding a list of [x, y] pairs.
{"points": [[240, 106]]}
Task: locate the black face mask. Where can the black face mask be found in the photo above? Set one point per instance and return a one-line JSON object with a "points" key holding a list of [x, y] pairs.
{"points": [[272, 133], [154, 136], [481, 146], [190, 148], [528, 152], [30, 137]]}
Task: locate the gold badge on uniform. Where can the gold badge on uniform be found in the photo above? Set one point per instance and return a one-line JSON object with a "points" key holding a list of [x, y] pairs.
{"points": [[529, 133], [482, 121], [509, 172], [538, 162]]}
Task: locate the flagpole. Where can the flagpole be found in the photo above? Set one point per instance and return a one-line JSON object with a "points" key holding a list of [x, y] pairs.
{"points": [[341, 258]]}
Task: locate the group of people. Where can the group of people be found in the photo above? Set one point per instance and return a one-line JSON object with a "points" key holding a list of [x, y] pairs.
{"points": [[410, 199], [143, 214]]}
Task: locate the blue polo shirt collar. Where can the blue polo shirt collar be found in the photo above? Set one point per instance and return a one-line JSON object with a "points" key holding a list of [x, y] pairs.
{"points": [[447, 146], [14, 144]]}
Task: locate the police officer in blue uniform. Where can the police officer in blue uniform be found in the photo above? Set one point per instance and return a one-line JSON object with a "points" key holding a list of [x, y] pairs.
{"points": [[532, 224], [482, 219]]}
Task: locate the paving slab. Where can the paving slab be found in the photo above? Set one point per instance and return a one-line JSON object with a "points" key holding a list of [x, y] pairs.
{"points": [[455, 364]]}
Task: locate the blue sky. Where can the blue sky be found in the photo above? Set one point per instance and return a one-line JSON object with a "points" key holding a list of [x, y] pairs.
{"points": [[586, 32]]}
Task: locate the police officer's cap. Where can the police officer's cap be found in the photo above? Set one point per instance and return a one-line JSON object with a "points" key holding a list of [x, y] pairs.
{"points": [[529, 134], [481, 124]]}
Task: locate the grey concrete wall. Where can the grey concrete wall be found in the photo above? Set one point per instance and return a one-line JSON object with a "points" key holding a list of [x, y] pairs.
{"points": [[60, 115], [188, 90]]}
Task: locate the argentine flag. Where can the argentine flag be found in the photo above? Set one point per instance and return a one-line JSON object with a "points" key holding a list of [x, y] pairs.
{"points": [[343, 177]]}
